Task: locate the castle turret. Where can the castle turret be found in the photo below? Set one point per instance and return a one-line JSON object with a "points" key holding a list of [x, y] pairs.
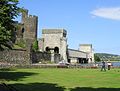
{"points": [[30, 23], [30, 26]]}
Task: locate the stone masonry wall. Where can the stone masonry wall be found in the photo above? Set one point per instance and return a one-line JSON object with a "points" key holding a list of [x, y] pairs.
{"points": [[40, 57], [24, 57], [15, 57], [56, 58]]}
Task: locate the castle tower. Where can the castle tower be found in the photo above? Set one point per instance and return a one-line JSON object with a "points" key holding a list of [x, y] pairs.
{"points": [[54, 41], [30, 26], [88, 49], [24, 15]]}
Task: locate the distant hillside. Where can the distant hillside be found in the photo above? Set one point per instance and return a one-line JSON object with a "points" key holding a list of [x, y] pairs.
{"points": [[106, 56]]}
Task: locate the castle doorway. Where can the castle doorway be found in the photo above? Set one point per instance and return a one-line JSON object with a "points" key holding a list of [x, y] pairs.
{"points": [[47, 49], [56, 50], [23, 30], [69, 61]]}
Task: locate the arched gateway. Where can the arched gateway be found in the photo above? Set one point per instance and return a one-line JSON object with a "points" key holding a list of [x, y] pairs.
{"points": [[54, 41]]}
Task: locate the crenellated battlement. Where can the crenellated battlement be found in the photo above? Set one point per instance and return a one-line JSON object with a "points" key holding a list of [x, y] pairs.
{"points": [[27, 29], [53, 31], [32, 16], [30, 25]]}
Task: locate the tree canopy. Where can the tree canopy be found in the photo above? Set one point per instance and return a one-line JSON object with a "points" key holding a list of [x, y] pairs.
{"points": [[8, 11], [35, 45], [97, 59]]}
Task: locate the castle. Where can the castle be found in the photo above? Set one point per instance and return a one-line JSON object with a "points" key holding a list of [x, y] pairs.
{"points": [[27, 29], [52, 45], [55, 42]]}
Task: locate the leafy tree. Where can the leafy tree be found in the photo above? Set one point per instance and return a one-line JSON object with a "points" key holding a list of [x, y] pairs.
{"points": [[35, 45], [8, 11], [97, 59]]}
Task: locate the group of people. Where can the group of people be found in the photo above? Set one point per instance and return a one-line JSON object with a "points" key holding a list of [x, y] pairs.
{"points": [[104, 65]]}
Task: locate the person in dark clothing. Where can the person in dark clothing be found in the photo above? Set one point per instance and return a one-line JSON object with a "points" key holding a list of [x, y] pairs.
{"points": [[103, 66]]}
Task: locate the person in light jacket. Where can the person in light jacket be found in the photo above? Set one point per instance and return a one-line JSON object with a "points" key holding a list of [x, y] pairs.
{"points": [[109, 65]]}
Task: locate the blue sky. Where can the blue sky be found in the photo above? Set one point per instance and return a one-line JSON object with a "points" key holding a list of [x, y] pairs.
{"points": [[95, 22]]}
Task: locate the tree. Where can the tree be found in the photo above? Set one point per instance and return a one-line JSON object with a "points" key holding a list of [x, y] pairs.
{"points": [[35, 45], [8, 12], [97, 59]]}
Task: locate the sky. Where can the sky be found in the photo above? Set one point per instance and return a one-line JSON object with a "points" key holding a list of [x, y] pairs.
{"points": [[95, 22]]}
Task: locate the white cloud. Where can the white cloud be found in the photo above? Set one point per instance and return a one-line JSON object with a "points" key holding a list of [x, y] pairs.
{"points": [[109, 13]]}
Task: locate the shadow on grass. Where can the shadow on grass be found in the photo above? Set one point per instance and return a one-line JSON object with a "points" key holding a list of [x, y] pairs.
{"points": [[9, 75], [37, 87], [94, 89], [7, 69], [55, 87]]}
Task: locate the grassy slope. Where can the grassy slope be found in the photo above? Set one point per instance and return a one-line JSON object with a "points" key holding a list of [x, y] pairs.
{"points": [[66, 79]]}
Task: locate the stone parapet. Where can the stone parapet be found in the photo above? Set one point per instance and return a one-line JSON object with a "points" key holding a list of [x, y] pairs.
{"points": [[53, 31]]}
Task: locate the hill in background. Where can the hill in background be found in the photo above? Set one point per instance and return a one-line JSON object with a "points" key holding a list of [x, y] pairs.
{"points": [[108, 57]]}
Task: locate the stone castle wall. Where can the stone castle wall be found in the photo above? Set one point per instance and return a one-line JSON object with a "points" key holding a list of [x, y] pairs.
{"points": [[40, 57], [44, 57], [56, 58], [15, 57], [24, 57]]}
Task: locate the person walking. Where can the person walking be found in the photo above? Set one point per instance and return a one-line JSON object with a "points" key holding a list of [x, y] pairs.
{"points": [[109, 65], [103, 66]]}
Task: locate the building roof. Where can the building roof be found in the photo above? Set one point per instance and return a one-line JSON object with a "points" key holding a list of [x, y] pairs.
{"points": [[85, 44], [77, 54]]}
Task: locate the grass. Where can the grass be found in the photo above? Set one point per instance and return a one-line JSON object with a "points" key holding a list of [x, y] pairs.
{"points": [[17, 47], [62, 79]]}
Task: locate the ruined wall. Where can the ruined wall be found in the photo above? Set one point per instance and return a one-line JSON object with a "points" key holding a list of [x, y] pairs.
{"points": [[27, 29], [15, 57], [30, 25], [20, 30], [23, 57], [40, 57], [44, 57]]}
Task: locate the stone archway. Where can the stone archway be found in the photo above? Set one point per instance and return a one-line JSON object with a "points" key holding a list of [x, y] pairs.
{"points": [[56, 50], [23, 30], [47, 49]]}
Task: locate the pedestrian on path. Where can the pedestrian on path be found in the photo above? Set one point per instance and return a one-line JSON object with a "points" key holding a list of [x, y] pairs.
{"points": [[109, 65], [103, 66]]}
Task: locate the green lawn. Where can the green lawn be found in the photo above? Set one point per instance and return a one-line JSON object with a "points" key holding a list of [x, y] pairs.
{"points": [[62, 79]]}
